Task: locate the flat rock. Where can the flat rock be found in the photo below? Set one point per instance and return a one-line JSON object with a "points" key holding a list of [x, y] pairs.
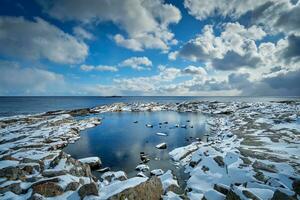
{"points": [[93, 162], [88, 189]]}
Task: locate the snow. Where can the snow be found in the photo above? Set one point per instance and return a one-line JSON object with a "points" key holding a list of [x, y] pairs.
{"points": [[161, 134], [142, 167], [157, 172], [90, 160], [161, 145], [167, 180], [171, 196]]}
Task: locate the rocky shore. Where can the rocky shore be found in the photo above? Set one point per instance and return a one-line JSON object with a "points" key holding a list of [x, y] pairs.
{"points": [[252, 152]]}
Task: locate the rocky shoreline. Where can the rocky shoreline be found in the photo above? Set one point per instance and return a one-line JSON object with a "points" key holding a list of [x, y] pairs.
{"points": [[252, 153]]}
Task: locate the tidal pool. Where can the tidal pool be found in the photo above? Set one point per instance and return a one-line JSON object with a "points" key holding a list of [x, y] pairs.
{"points": [[118, 141]]}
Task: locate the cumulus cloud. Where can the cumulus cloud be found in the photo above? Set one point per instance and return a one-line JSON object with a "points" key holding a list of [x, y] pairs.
{"points": [[37, 39], [145, 22], [194, 70], [137, 63], [98, 68], [17, 80], [234, 48]]}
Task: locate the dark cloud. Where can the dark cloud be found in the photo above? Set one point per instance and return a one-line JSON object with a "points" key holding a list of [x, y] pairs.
{"points": [[233, 60], [292, 52]]}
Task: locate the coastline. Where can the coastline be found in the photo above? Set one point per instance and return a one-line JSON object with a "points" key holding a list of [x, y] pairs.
{"points": [[230, 162]]}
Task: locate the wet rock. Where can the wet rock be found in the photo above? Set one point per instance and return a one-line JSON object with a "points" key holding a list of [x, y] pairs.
{"points": [[47, 189], [161, 146], [278, 195], [93, 162], [263, 166], [88, 189], [72, 186], [148, 190], [219, 160]]}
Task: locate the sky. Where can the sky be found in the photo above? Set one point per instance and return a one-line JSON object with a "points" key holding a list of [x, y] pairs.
{"points": [[150, 47]]}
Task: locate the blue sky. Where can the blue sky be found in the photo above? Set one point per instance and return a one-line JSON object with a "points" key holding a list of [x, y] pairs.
{"points": [[149, 47]]}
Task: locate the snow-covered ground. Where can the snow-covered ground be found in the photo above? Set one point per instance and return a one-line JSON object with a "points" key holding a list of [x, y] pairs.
{"points": [[252, 152]]}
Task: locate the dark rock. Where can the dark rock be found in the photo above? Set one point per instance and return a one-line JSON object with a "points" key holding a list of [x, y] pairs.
{"points": [[14, 187], [219, 160], [204, 168], [12, 173], [161, 146], [231, 195], [88, 189], [53, 173], [47, 189], [148, 190], [278, 195], [102, 170], [263, 166], [36, 196], [221, 188], [72, 186], [250, 195], [296, 186]]}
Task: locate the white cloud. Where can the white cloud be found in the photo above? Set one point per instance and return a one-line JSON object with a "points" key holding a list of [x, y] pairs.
{"points": [[194, 70], [98, 68], [145, 22], [138, 63], [17, 80], [82, 33], [38, 39]]}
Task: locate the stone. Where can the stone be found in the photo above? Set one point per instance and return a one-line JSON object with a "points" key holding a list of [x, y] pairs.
{"points": [[224, 189], [72, 186], [14, 187], [231, 195], [264, 167], [250, 195], [88, 189], [296, 186], [102, 170], [36, 196], [47, 189], [161, 146], [93, 162], [53, 173], [149, 190], [12, 173], [278, 195], [219, 160]]}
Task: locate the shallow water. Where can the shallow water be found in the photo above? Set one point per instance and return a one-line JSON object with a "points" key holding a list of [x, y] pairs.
{"points": [[118, 141]]}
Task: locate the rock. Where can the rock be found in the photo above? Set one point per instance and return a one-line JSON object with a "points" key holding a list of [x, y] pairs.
{"points": [[156, 172], [161, 146], [142, 167], [263, 166], [36, 196], [231, 195], [141, 174], [102, 170], [12, 173], [278, 195], [161, 134], [135, 122], [260, 176], [296, 186], [148, 190], [72, 186], [53, 173], [250, 195], [204, 168], [88, 189], [149, 125], [93, 162], [224, 189], [219, 160], [111, 176], [14, 187], [47, 189]]}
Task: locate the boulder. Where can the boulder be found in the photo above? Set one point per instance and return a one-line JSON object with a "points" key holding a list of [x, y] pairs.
{"points": [[148, 190], [296, 186], [264, 167], [72, 186], [93, 162], [219, 160], [88, 189], [278, 195], [231, 195], [12, 173], [14, 187], [47, 189]]}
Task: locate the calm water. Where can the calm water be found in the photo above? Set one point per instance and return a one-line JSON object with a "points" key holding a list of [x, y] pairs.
{"points": [[118, 141], [27, 105]]}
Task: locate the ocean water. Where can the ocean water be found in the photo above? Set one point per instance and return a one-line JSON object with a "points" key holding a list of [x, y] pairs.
{"points": [[28, 105]]}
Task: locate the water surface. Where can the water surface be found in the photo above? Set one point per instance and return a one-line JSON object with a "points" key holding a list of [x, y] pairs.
{"points": [[118, 141]]}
